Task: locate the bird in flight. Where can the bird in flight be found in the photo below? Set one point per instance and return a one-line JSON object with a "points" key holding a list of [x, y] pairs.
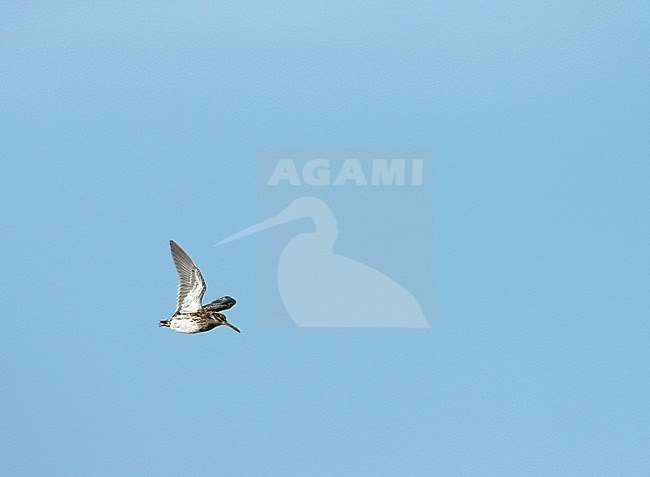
{"points": [[191, 316]]}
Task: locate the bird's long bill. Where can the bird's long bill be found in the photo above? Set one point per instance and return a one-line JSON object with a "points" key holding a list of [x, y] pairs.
{"points": [[233, 327], [287, 215]]}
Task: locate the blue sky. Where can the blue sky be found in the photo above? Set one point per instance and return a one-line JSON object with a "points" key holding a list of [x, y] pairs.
{"points": [[125, 125]]}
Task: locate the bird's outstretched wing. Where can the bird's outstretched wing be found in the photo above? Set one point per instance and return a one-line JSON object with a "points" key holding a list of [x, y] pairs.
{"points": [[191, 285], [220, 304]]}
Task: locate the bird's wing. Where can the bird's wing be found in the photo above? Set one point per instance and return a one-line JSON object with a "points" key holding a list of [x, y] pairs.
{"points": [[191, 285], [220, 304]]}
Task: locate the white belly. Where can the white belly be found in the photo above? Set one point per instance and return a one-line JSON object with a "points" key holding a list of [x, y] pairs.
{"points": [[184, 325]]}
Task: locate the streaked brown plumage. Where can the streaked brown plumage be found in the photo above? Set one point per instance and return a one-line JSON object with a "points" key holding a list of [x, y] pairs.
{"points": [[191, 316]]}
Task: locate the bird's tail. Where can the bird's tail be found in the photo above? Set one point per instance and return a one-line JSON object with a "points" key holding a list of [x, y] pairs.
{"points": [[164, 323]]}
